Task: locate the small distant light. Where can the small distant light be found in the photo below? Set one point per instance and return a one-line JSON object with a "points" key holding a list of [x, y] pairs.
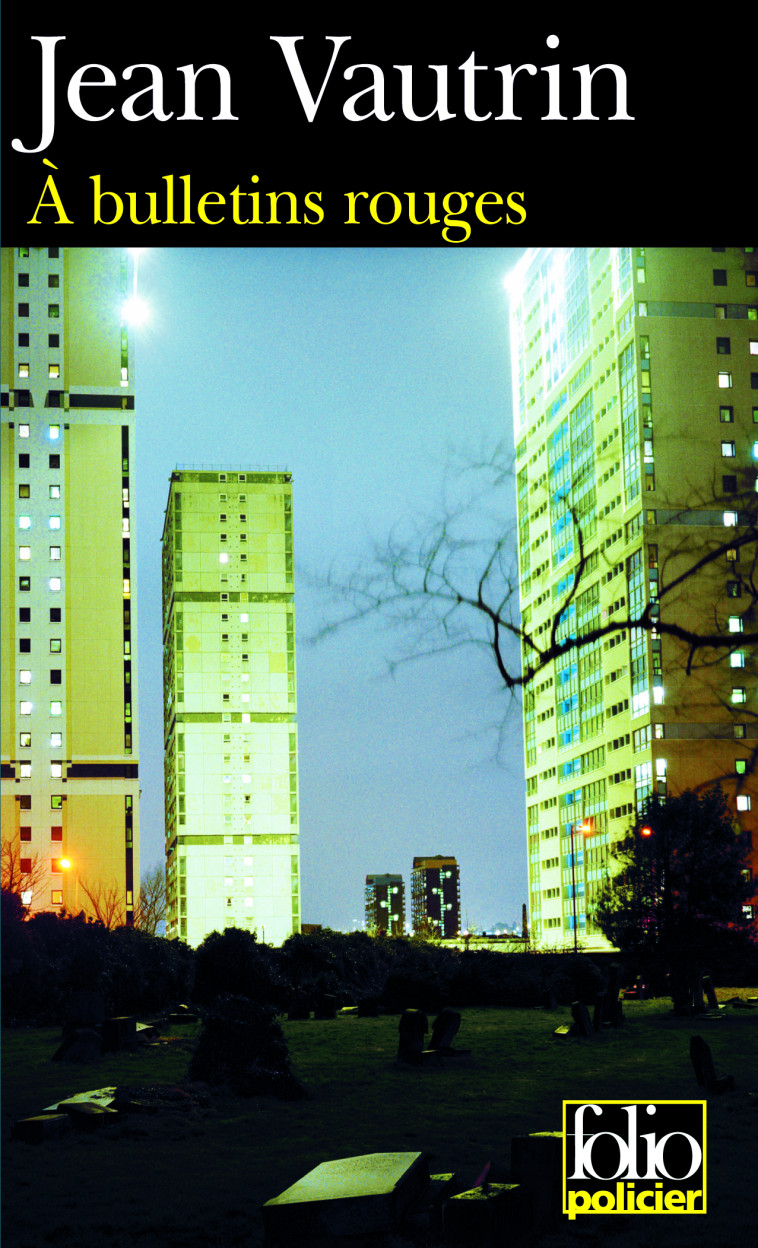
{"points": [[646, 831]]}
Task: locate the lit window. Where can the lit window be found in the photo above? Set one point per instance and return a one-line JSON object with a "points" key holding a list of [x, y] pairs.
{"points": [[56, 770], [743, 801], [244, 618], [726, 415], [727, 450], [55, 552], [730, 519], [24, 677], [56, 740], [25, 740], [54, 370], [25, 553], [53, 310], [55, 584], [23, 431], [223, 558], [725, 381], [739, 694], [734, 589], [24, 522], [55, 431], [54, 522], [735, 624], [25, 770], [737, 658], [24, 708], [658, 694], [754, 346], [53, 491], [56, 897], [56, 708], [23, 370]]}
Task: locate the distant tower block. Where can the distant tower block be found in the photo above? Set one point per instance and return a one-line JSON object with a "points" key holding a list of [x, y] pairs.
{"points": [[436, 895], [385, 904], [230, 705]]}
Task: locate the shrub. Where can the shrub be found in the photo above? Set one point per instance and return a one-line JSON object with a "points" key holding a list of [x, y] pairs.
{"points": [[243, 1046]]}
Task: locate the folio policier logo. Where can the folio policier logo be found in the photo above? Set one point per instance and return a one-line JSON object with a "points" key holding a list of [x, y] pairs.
{"points": [[633, 1157]]}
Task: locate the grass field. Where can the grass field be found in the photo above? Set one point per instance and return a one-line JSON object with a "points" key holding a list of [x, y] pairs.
{"points": [[199, 1176]]}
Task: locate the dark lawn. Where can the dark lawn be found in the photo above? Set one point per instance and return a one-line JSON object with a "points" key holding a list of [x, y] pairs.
{"points": [[199, 1177]]}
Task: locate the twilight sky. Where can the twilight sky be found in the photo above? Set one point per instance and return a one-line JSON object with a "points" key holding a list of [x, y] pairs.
{"points": [[361, 371]]}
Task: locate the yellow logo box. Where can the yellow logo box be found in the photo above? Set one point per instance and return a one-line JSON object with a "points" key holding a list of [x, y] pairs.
{"points": [[634, 1157]]}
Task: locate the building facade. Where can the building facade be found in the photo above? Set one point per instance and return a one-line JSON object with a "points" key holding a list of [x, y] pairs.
{"points": [[230, 703], [384, 904], [635, 400], [436, 895], [70, 786]]}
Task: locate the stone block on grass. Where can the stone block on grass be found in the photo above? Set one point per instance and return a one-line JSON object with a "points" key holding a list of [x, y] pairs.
{"points": [[119, 1033], [537, 1163], [412, 1028], [365, 1195], [490, 1216]]}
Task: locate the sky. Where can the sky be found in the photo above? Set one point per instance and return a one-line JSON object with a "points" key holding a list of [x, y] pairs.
{"points": [[366, 373]]}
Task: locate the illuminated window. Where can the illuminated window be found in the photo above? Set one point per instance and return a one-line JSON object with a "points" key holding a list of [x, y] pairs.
{"points": [[23, 491], [739, 694], [754, 346], [53, 491], [24, 553], [740, 766], [25, 770], [743, 801], [24, 708], [55, 430], [56, 708], [730, 519], [56, 770], [23, 370], [658, 695], [24, 522], [56, 740], [23, 431], [734, 589], [737, 658], [54, 522], [24, 583], [727, 450], [56, 897], [735, 624], [24, 677], [53, 311], [54, 370], [55, 584], [25, 739], [223, 558], [725, 381], [55, 552]]}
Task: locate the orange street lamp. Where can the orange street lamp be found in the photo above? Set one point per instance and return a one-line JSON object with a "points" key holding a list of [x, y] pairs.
{"points": [[585, 827], [66, 865]]}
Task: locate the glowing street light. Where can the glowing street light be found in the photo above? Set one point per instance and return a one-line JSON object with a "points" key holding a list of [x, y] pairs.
{"points": [[66, 864], [585, 827]]}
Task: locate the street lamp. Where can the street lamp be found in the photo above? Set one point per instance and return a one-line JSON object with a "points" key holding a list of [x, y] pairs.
{"points": [[585, 827], [66, 864]]}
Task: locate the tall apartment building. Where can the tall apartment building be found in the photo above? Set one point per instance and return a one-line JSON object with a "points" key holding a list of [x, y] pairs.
{"points": [[436, 894], [635, 400], [70, 790], [384, 904], [230, 701]]}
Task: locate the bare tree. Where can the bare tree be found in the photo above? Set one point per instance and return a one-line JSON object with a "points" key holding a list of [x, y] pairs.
{"points": [[107, 902], [150, 910], [452, 581], [20, 873]]}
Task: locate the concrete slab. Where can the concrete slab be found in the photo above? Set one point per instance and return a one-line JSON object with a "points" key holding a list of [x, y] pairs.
{"points": [[348, 1196]]}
